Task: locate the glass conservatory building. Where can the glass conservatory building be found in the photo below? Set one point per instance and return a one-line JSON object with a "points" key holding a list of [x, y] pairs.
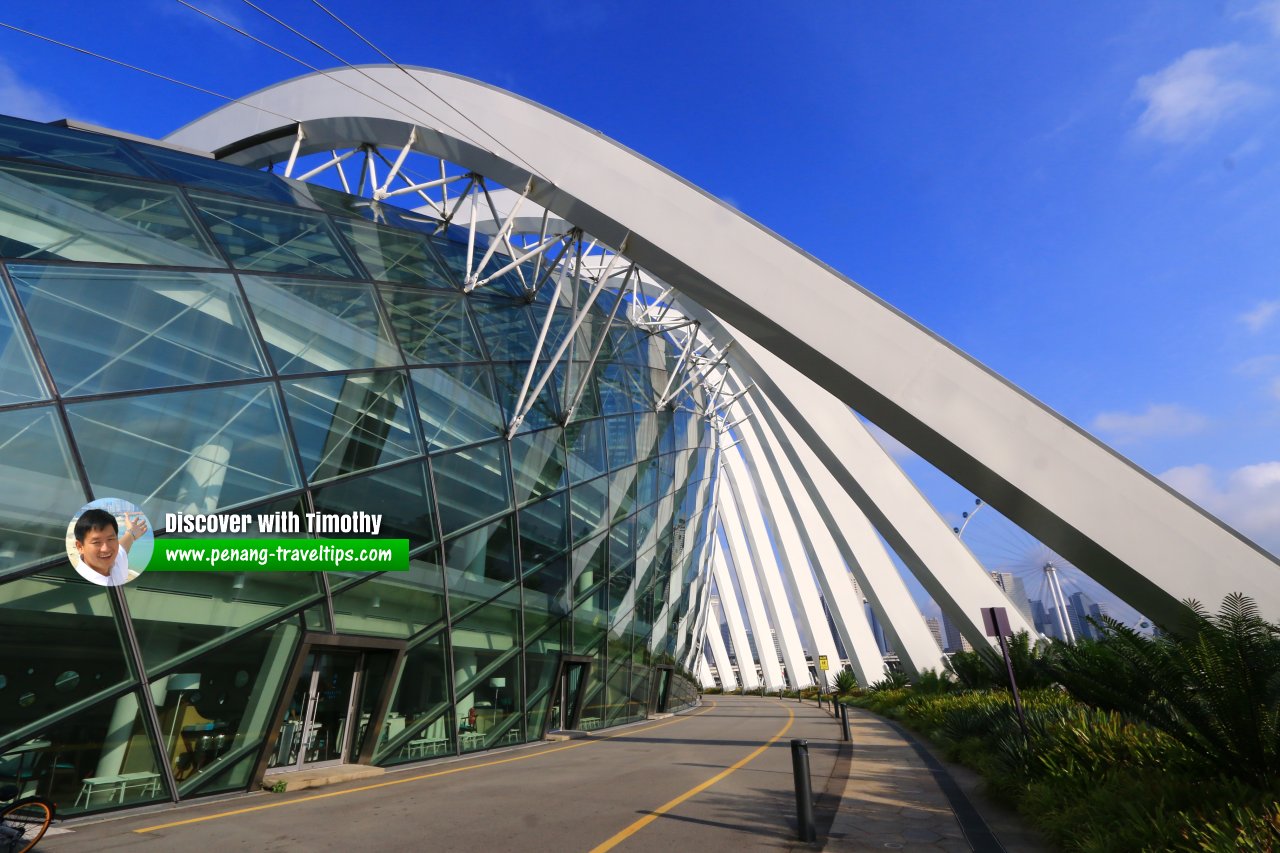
{"points": [[195, 337]]}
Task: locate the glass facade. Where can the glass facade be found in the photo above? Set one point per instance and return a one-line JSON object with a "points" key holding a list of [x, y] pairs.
{"points": [[199, 338]]}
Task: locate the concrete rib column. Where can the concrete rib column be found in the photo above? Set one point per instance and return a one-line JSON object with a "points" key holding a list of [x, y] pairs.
{"points": [[863, 552], [775, 596], [908, 522], [741, 562], [837, 589], [721, 656], [797, 572], [704, 673], [732, 608]]}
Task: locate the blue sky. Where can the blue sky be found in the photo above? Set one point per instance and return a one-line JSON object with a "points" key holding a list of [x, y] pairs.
{"points": [[1083, 196]]}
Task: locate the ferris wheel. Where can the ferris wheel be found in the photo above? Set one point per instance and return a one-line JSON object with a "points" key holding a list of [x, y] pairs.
{"points": [[1004, 549]]}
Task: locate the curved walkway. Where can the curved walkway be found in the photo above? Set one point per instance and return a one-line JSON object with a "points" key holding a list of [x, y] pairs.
{"points": [[716, 778]]}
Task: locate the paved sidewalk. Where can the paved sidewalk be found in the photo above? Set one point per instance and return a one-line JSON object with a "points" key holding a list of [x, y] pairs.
{"points": [[894, 799]]}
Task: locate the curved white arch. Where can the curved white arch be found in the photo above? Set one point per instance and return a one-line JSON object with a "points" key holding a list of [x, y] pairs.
{"points": [[1141, 539]]}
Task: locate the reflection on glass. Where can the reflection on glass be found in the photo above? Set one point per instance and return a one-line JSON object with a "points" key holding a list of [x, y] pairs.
{"points": [[215, 175], [20, 380], [542, 655], [269, 239], [176, 612], [543, 531], [546, 595], [29, 140], [545, 411], [186, 451], [41, 489], [391, 255], [433, 328], [456, 405], [587, 456], [397, 604], [622, 436], [350, 422], [120, 330], [506, 329], [400, 495], [471, 485], [538, 462], [418, 725], [314, 326], [480, 564], [47, 214], [588, 508], [217, 709]]}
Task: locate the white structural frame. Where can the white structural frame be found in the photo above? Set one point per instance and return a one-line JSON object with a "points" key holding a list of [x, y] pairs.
{"points": [[828, 346]]}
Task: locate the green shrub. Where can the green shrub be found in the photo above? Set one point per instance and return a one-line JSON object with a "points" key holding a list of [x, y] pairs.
{"points": [[846, 681]]}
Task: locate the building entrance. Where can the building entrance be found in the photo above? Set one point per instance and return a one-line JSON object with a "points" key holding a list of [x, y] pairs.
{"points": [[568, 693]]}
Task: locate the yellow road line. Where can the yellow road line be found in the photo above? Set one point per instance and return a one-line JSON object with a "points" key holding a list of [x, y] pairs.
{"points": [[671, 804], [420, 777]]}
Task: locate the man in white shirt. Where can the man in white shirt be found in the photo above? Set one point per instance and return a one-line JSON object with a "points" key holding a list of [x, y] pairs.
{"points": [[104, 554]]}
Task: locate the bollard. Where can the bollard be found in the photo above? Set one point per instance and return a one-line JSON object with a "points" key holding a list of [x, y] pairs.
{"points": [[804, 792], [844, 722]]}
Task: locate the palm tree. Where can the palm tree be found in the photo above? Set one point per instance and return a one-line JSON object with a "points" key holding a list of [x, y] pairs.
{"points": [[1214, 685]]}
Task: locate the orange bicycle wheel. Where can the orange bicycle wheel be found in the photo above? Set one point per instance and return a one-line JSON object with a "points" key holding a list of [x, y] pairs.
{"points": [[29, 818]]}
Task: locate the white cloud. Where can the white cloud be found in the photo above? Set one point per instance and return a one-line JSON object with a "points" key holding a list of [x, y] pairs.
{"points": [[1275, 387], [1259, 365], [27, 100], [1261, 315], [1159, 420], [1268, 12], [1247, 498], [1195, 92]]}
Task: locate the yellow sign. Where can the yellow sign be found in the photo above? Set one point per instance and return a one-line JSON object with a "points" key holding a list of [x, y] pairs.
{"points": [[822, 663]]}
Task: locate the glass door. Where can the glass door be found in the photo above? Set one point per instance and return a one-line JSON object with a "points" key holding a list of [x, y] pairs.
{"points": [[566, 698], [315, 730]]}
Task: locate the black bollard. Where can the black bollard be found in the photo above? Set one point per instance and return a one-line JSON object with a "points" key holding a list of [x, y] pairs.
{"points": [[804, 792], [844, 722]]}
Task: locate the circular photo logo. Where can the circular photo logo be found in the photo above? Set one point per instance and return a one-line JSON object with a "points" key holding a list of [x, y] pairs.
{"points": [[109, 541]]}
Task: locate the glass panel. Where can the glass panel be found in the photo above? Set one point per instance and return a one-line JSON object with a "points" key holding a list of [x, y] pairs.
{"points": [[537, 460], [589, 403], [589, 507], [621, 432], [646, 434], [123, 330], [546, 595], [647, 485], [398, 604], [480, 564], [588, 561], [52, 624], [614, 382], [622, 544], [587, 456], [417, 725], [47, 214], [219, 707], [622, 492], [471, 485], [509, 283], [29, 140], [349, 423], [175, 612], [342, 204], [391, 255], [432, 328], [212, 174], [487, 671], [456, 405], [401, 496], [41, 490], [187, 451], [543, 531], [506, 329], [545, 412], [97, 759], [269, 239], [312, 326], [20, 380], [453, 255]]}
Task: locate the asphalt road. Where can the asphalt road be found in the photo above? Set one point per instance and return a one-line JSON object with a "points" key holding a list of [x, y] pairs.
{"points": [[716, 778]]}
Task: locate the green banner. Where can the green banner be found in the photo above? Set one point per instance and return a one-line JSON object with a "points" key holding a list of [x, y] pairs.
{"points": [[280, 555]]}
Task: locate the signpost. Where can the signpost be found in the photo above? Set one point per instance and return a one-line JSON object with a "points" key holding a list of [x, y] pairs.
{"points": [[996, 622]]}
